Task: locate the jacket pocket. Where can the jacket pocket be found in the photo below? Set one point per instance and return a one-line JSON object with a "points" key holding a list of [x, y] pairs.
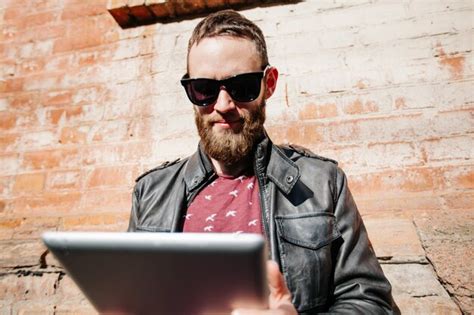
{"points": [[305, 243]]}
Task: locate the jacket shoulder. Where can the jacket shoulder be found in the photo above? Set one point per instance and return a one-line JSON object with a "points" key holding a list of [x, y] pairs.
{"points": [[293, 149], [162, 166]]}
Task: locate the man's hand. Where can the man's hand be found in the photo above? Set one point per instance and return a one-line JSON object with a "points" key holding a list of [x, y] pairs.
{"points": [[280, 296]]}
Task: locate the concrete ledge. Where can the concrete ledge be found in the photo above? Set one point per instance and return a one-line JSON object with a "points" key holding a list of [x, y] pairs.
{"points": [[395, 240], [415, 284]]}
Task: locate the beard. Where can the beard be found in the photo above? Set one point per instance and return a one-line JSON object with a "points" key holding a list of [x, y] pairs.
{"points": [[231, 146]]}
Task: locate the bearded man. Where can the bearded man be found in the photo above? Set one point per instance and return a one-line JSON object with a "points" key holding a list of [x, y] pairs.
{"points": [[238, 181]]}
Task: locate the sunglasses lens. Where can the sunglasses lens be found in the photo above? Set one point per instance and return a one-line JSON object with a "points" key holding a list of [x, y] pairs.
{"points": [[244, 87], [202, 92]]}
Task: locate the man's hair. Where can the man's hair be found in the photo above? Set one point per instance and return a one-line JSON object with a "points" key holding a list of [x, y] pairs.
{"points": [[230, 23]]}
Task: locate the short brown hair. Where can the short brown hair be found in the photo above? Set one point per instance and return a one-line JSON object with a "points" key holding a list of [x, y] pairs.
{"points": [[230, 23]]}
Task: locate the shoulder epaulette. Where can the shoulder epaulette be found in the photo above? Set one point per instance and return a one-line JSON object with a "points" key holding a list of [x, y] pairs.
{"points": [[159, 167], [308, 153]]}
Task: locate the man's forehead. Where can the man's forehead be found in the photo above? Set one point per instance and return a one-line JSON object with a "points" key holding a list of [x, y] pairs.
{"points": [[223, 56]]}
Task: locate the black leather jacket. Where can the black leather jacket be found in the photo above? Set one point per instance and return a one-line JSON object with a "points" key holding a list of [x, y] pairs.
{"points": [[311, 222]]}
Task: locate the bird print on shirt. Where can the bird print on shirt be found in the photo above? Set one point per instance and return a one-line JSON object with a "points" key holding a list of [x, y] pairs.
{"points": [[208, 228], [208, 197], [241, 178], [250, 186], [234, 193], [253, 222], [211, 217], [231, 213]]}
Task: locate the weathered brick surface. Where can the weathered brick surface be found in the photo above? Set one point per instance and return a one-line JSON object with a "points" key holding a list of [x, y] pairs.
{"points": [[383, 87]]}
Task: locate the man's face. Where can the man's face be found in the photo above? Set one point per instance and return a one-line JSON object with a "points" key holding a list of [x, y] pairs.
{"points": [[228, 129]]}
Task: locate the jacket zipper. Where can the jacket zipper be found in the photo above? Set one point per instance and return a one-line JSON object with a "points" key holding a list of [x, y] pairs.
{"points": [[263, 204]]}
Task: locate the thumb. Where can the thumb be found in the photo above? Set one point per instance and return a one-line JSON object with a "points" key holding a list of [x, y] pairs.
{"points": [[276, 282]]}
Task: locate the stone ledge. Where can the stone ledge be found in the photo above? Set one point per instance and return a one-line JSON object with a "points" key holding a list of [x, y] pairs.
{"points": [[132, 13]]}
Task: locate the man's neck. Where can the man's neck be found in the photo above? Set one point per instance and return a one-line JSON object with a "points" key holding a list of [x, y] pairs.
{"points": [[235, 170]]}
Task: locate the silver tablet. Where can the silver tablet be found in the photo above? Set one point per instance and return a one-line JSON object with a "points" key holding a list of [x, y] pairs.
{"points": [[165, 273]]}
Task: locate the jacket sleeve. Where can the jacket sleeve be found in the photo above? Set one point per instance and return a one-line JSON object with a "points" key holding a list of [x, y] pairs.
{"points": [[132, 225], [360, 286]]}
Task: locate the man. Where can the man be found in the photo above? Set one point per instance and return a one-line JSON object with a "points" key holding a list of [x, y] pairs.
{"points": [[239, 181]]}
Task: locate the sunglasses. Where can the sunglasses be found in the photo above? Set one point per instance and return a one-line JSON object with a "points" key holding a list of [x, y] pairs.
{"points": [[243, 88]]}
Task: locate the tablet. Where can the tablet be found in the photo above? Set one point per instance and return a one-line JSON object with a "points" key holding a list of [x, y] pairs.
{"points": [[165, 273]]}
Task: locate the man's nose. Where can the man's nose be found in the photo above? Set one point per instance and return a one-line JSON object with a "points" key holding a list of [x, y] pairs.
{"points": [[224, 102]]}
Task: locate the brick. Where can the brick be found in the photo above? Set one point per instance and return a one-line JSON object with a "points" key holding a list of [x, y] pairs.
{"points": [[316, 111], [459, 177], [8, 141], [408, 180], [80, 9], [449, 148], [56, 114], [117, 222], [454, 62], [24, 101], [120, 153], [38, 139], [111, 131], [73, 135], [47, 203], [7, 120], [51, 159], [106, 200], [72, 309], [111, 176], [6, 182], [9, 163], [11, 85], [38, 19], [20, 253], [33, 227], [142, 14], [459, 200], [29, 183], [391, 202], [189, 7], [122, 16], [161, 9], [7, 226], [83, 32], [358, 107], [64, 180], [57, 98], [29, 308], [215, 3]]}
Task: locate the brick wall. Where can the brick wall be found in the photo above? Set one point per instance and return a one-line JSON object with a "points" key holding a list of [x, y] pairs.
{"points": [[383, 87]]}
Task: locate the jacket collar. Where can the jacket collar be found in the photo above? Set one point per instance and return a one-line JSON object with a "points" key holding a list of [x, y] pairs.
{"points": [[198, 169], [269, 161]]}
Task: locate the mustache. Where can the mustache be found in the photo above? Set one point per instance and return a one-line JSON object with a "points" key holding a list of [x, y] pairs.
{"points": [[219, 118]]}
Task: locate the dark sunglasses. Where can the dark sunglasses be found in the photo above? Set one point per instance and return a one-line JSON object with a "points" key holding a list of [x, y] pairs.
{"points": [[243, 88]]}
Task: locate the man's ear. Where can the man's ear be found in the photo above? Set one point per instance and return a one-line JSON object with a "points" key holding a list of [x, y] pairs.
{"points": [[271, 81]]}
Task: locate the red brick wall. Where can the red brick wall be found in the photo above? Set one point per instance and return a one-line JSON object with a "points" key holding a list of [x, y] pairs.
{"points": [[85, 107]]}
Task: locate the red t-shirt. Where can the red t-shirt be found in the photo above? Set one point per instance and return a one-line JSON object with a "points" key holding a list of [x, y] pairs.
{"points": [[228, 204]]}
